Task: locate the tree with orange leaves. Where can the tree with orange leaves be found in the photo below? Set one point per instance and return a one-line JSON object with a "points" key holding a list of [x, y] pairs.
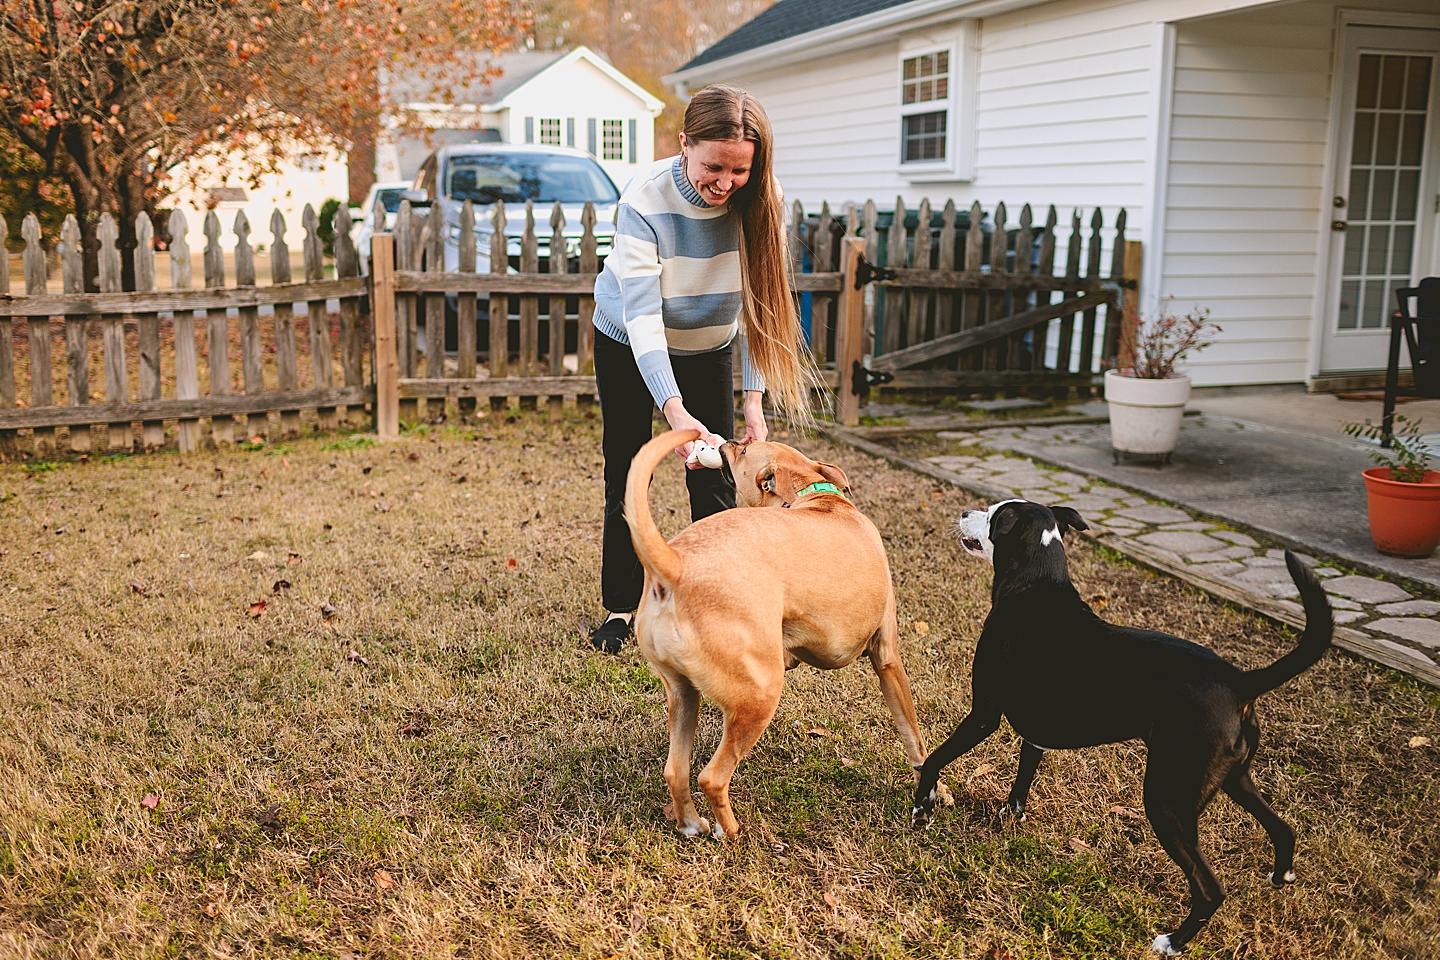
{"points": [[110, 95]]}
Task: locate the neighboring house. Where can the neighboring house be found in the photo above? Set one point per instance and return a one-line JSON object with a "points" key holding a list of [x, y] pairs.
{"points": [[574, 99], [203, 184], [1280, 161]]}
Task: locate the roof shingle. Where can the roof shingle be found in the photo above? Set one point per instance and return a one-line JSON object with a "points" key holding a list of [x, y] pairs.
{"points": [[786, 19]]}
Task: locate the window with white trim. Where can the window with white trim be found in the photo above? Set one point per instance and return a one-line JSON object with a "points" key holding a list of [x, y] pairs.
{"points": [[550, 131], [925, 107], [612, 139], [936, 79]]}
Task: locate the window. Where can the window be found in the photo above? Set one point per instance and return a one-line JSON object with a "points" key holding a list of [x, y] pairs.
{"points": [[550, 131], [612, 140], [924, 85], [937, 81]]}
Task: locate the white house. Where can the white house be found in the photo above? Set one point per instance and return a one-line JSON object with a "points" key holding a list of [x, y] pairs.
{"points": [[574, 99], [227, 182], [1279, 160]]}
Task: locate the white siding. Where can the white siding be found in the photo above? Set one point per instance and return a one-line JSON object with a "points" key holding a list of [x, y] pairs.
{"points": [[1245, 186]]}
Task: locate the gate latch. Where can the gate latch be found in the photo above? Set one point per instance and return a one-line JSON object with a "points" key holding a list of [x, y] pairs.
{"points": [[862, 379]]}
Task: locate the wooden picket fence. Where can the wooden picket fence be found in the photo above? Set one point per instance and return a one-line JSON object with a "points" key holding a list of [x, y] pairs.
{"points": [[951, 307], [153, 368]]}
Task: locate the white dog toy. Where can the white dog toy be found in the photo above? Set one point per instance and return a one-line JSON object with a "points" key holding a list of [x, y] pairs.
{"points": [[705, 455]]}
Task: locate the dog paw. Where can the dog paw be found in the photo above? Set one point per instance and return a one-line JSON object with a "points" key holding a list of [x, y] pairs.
{"points": [[717, 831], [944, 795], [699, 828], [920, 813], [1162, 946], [1016, 810], [1279, 882]]}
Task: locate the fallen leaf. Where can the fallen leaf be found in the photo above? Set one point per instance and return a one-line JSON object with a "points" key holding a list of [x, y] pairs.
{"points": [[327, 611], [1130, 812], [1420, 741], [285, 461], [830, 900], [257, 555], [818, 732], [292, 557], [981, 770], [150, 802], [257, 609], [846, 762], [512, 562], [669, 811], [921, 628], [257, 440], [383, 880], [355, 657], [412, 730], [211, 909], [269, 819], [1077, 844], [280, 586]]}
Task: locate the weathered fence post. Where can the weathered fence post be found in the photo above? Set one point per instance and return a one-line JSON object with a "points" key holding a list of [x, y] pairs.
{"points": [[147, 331], [849, 338], [42, 375], [7, 349], [1134, 261], [287, 369], [382, 305], [187, 375], [77, 330]]}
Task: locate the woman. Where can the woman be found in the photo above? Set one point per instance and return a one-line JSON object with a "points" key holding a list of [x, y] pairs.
{"points": [[699, 258]]}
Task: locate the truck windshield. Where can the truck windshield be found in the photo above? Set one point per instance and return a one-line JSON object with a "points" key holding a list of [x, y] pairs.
{"points": [[517, 177]]}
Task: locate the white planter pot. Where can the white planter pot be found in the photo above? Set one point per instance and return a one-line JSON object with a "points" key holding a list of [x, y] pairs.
{"points": [[1145, 414]]}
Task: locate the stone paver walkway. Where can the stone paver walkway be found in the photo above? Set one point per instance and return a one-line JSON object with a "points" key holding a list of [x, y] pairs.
{"points": [[1380, 619]]}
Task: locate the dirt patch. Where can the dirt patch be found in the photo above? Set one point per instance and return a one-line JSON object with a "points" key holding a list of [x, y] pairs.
{"points": [[334, 696]]}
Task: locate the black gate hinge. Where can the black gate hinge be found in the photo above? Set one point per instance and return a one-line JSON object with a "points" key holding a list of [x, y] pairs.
{"points": [[862, 378], [867, 272]]}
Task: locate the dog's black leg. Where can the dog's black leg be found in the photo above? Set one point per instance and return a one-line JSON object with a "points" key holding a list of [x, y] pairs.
{"points": [[979, 724], [1177, 828], [1244, 792], [1030, 756]]}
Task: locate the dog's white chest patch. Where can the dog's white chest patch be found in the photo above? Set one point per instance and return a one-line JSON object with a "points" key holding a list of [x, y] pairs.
{"points": [[1049, 536]]}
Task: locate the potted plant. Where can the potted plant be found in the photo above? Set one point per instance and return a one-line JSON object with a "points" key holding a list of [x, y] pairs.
{"points": [[1402, 494], [1145, 394]]}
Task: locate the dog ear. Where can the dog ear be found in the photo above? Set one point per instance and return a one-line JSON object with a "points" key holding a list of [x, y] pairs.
{"points": [[1068, 517], [766, 481], [1003, 521], [835, 475]]}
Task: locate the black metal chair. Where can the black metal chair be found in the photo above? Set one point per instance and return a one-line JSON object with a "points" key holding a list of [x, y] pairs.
{"points": [[1421, 330]]}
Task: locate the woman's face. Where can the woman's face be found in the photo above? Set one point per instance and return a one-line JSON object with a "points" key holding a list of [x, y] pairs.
{"points": [[717, 168]]}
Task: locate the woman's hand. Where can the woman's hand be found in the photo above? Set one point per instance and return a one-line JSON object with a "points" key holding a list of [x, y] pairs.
{"points": [[680, 419], [754, 412]]}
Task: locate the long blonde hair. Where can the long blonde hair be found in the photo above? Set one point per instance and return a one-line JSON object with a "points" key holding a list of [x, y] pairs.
{"points": [[772, 325]]}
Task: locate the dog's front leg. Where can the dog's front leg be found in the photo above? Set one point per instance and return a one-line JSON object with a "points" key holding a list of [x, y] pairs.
{"points": [[1030, 756], [982, 721]]}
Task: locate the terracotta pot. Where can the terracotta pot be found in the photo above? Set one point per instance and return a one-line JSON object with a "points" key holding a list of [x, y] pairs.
{"points": [[1404, 517], [1145, 414]]}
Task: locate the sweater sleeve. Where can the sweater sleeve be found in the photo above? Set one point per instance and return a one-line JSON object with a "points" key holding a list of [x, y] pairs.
{"points": [[635, 256], [750, 378]]}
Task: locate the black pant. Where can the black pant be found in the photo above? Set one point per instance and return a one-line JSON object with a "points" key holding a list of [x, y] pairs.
{"points": [[627, 410]]}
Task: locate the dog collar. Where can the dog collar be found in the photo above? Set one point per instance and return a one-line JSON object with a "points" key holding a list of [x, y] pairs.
{"points": [[819, 486]]}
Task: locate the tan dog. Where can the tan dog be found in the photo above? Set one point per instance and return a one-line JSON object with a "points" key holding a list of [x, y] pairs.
{"points": [[738, 598]]}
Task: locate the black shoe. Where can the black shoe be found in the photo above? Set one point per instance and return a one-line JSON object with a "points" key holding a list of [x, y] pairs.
{"points": [[610, 635]]}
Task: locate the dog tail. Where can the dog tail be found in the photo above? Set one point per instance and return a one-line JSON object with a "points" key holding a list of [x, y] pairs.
{"points": [[655, 554], [1319, 629]]}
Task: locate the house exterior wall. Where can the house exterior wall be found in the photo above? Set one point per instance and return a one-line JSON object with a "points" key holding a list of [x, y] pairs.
{"points": [[579, 94], [1247, 197], [296, 183]]}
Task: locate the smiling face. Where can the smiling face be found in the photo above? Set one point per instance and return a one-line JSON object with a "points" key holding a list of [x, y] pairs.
{"points": [[717, 168]]}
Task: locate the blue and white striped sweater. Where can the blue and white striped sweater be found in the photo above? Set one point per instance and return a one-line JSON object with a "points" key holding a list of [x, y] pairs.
{"points": [[671, 284]]}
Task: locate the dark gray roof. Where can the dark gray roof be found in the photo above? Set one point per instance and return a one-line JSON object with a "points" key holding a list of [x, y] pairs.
{"points": [[786, 19], [460, 76]]}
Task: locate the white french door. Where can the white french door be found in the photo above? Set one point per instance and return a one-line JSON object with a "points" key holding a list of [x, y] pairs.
{"points": [[1386, 194]]}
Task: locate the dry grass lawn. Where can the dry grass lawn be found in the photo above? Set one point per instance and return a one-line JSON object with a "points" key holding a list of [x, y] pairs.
{"points": [[411, 750]]}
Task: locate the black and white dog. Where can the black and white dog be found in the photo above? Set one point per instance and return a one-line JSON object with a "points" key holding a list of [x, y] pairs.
{"points": [[1064, 678]]}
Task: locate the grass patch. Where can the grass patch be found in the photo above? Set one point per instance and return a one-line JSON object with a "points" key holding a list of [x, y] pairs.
{"points": [[412, 751]]}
